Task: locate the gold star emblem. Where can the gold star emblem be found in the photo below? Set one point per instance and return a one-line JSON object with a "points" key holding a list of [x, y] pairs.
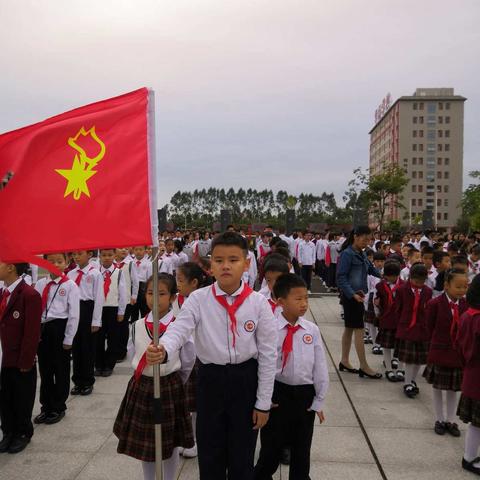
{"points": [[77, 179], [82, 168]]}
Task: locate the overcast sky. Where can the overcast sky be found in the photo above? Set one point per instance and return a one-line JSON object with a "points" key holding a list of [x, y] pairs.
{"points": [[273, 94]]}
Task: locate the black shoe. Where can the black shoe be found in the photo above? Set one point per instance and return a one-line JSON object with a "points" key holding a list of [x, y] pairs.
{"points": [[76, 390], [375, 376], [440, 428], [417, 390], [452, 429], [390, 376], [409, 391], [377, 350], [285, 457], [54, 417], [470, 467], [342, 368], [107, 372], [395, 363], [86, 391], [18, 444], [400, 374], [40, 418], [5, 443], [98, 372]]}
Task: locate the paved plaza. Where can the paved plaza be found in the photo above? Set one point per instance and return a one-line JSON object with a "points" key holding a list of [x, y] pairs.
{"points": [[372, 431]]}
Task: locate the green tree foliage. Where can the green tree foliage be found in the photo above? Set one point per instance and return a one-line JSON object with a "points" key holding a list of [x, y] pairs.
{"points": [[202, 207], [471, 202]]}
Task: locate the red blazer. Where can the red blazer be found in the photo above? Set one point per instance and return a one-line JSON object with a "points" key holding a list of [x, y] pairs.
{"points": [[439, 322], [387, 318], [403, 308], [468, 344], [20, 327]]}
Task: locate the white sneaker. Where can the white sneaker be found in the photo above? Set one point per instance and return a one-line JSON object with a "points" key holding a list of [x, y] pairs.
{"points": [[180, 450], [190, 452]]}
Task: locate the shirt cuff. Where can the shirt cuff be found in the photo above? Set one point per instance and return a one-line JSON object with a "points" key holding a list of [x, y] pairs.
{"points": [[263, 406], [317, 405]]}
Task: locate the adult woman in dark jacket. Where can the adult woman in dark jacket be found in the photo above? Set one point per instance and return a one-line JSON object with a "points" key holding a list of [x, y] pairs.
{"points": [[352, 272]]}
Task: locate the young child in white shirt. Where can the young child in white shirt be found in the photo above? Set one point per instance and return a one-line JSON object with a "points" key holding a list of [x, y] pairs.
{"points": [[301, 384]]}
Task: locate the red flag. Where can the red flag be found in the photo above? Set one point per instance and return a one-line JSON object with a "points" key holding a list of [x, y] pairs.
{"points": [[84, 179]]}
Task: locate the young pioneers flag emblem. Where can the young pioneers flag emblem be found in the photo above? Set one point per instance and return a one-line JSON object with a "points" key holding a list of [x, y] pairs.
{"points": [[84, 179]]}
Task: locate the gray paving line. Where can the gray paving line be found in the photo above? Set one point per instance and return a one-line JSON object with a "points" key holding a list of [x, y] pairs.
{"points": [[355, 412]]}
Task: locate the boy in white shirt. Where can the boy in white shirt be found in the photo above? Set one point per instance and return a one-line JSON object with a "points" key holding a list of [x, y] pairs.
{"points": [[306, 258], [301, 384]]}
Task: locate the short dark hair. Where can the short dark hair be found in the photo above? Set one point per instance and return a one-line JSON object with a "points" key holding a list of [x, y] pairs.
{"points": [[230, 239], [276, 264], [392, 268], [178, 245], [438, 256], [452, 272], [168, 280], [419, 271], [21, 268], [378, 256], [473, 292], [285, 283], [427, 250], [475, 250], [462, 259], [45, 255]]}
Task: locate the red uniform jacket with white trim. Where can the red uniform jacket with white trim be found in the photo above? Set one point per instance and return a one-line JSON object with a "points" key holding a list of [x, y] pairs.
{"points": [[387, 318], [439, 323], [20, 327], [403, 309]]}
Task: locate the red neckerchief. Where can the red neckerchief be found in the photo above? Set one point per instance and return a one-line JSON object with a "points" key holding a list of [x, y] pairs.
{"points": [[454, 308], [391, 291], [80, 275], [231, 309], [107, 280], [273, 304], [417, 293], [120, 265], [180, 299], [287, 345], [47, 288], [143, 360], [3, 303]]}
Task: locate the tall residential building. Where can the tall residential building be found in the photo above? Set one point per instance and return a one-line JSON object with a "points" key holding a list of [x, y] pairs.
{"points": [[422, 133]]}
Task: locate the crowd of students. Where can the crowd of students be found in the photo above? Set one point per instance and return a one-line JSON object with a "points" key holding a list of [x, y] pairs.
{"points": [[236, 354]]}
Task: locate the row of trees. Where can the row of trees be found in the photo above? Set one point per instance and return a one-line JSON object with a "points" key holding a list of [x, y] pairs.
{"points": [[373, 194], [202, 207], [470, 220]]}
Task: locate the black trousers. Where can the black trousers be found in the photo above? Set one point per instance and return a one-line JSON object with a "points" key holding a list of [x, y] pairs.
{"points": [[296, 266], [17, 396], [109, 340], [307, 275], [226, 396], [140, 307], [54, 366], [321, 270], [84, 347], [124, 333], [290, 424], [332, 275]]}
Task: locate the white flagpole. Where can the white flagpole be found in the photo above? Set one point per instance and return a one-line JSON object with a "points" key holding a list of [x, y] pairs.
{"points": [[157, 406]]}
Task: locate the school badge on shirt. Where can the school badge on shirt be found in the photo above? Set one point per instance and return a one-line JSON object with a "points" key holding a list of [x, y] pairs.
{"points": [[249, 326], [308, 339], [16, 314]]}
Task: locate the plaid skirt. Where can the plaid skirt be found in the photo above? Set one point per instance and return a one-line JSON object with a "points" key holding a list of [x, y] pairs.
{"points": [[371, 318], [191, 389], [134, 425], [469, 411], [443, 378], [415, 353], [386, 337]]}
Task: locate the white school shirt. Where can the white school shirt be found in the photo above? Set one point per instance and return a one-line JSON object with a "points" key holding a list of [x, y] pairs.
{"points": [[290, 242], [117, 293], [405, 273], [372, 287], [203, 247], [91, 288], [142, 268], [265, 291], [63, 301], [182, 258], [256, 338], [27, 278], [432, 276], [307, 253], [262, 250], [250, 276], [306, 364], [321, 249], [172, 258], [130, 279], [473, 269], [34, 269], [181, 361]]}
